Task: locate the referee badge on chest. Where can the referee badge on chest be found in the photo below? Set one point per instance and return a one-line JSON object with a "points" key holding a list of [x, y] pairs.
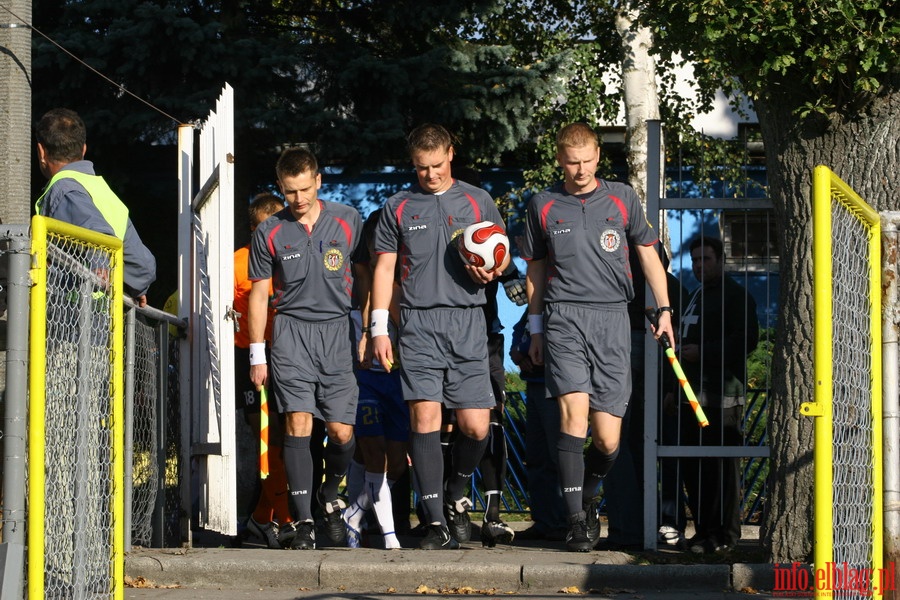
{"points": [[334, 259], [610, 240]]}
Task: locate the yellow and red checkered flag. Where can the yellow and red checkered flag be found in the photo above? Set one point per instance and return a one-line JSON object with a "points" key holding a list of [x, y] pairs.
{"points": [[263, 433], [679, 372]]}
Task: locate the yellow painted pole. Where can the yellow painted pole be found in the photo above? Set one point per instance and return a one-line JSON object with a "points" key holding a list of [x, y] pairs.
{"points": [[877, 419], [822, 407], [40, 227], [872, 219], [118, 419], [38, 369]]}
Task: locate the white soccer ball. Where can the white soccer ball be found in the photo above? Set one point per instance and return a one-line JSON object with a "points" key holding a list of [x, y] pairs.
{"points": [[483, 244]]}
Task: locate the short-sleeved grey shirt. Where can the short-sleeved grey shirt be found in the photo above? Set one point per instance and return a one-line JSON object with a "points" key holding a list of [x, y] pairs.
{"points": [[585, 239], [311, 274], [422, 228]]}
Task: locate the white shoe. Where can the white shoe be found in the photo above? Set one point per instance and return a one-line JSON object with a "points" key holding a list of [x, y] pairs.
{"points": [[670, 536]]}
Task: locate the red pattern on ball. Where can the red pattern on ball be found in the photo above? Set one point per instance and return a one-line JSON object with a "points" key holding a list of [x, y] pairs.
{"points": [[480, 236]]}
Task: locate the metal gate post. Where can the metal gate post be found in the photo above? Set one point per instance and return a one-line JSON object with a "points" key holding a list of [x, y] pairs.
{"points": [[15, 425]]}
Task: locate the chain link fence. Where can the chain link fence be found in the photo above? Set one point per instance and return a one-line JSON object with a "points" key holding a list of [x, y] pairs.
{"points": [[152, 429], [102, 469], [74, 419]]}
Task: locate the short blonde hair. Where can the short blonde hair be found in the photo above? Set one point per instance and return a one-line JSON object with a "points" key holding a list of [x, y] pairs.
{"points": [[576, 135]]}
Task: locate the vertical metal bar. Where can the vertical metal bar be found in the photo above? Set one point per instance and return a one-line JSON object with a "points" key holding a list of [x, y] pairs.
{"points": [[874, 257], [85, 473], [158, 529], [185, 306], [822, 364], [16, 410], [651, 352], [891, 389], [37, 409], [118, 417], [128, 456]]}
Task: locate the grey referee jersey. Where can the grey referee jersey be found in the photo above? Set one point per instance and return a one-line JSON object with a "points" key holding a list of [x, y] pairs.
{"points": [[421, 228], [586, 241], [311, 274]]}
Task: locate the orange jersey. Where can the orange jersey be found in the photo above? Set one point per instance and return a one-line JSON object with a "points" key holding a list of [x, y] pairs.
{"points": [[242, 285]]}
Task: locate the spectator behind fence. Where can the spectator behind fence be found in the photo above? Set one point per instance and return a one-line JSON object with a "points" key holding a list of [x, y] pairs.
{"points": [[579, 283], [76, 195], [718, 331]]}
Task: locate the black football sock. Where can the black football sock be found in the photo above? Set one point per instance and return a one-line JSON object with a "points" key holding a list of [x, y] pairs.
{"points": [[571, 470], [467, 453], [596, 466], [337, 460], [298, 468], [493, 471], [425, 452]]}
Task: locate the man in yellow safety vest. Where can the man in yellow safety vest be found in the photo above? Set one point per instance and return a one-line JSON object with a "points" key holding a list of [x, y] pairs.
{"points": [[76, 195]]}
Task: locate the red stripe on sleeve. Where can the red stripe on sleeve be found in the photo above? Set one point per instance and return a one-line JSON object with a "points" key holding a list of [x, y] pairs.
{"points": [[270, 243], [400, 208], [544, 211], [622, 209], [475, 207], [348, 232]]}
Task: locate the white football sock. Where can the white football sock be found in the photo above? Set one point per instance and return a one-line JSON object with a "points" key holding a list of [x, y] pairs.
{"points": [[377, 488]]}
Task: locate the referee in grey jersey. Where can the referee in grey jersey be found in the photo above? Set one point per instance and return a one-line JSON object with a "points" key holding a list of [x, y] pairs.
{"points": [[305, 251], [578, 284], [443, 339]]}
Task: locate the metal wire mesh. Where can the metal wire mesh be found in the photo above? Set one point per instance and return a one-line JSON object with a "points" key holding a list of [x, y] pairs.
{"points": [[145, 467], [78, 424], [155, 465], [175, 470], [852, 390]]}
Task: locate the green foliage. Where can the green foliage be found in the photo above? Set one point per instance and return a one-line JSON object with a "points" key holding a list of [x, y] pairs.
{"points": [[514, 382], [575, 36], [716, 164], [831, 54], [175, 54], [352, 78], [759, 363], [378, 69]]}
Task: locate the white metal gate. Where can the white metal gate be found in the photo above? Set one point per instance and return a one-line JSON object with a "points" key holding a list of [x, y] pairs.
{"points": [[206, 295]]}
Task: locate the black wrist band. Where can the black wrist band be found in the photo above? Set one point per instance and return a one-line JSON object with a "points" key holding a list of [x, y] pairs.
{"points": [[663, 309]]}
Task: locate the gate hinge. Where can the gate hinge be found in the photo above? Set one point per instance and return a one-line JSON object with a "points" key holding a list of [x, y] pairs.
{"points": [[812, 409]]}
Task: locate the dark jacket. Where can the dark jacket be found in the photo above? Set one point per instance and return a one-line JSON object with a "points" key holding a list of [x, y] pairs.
{"points": [[721, 318]]}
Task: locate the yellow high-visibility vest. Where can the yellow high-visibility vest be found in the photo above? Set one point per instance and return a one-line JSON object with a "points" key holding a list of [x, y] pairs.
{"points": [[110, 206]]}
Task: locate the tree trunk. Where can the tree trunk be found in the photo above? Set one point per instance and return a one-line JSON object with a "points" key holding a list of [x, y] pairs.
{"points": [[640, 94], [15, 114], [863, 151]]}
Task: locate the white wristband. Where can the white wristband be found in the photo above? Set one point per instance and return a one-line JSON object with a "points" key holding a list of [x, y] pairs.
{"points": [[257, 353], [536, 324], [379, 323]]}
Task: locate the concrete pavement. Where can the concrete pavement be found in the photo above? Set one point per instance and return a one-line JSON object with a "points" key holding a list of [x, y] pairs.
{"points": [[523, 567]]}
